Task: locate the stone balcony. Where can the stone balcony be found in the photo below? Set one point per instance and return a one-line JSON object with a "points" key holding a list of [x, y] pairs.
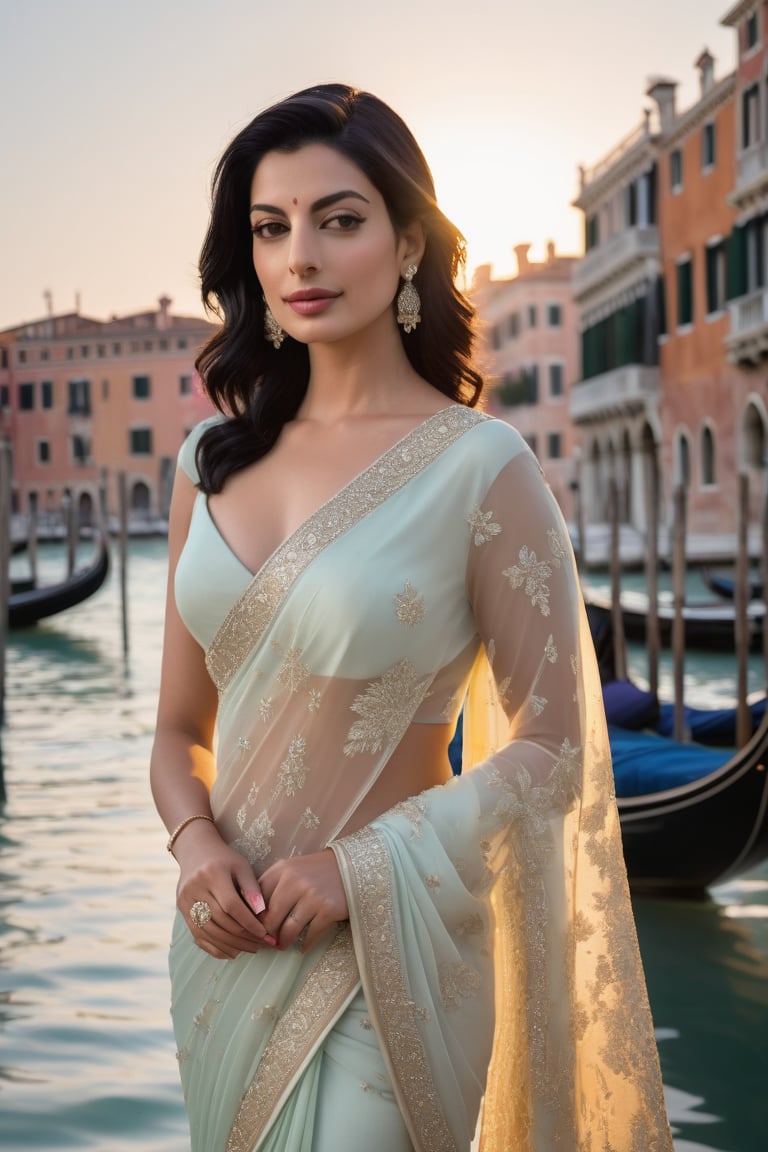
{"points": [[747, 341], [612, 259], [624, 391], [751, 191]]}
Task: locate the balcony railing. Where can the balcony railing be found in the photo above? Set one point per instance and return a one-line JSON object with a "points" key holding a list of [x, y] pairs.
{"points": [[747, 341], [617, 254], [751, 166], [623, 391]]}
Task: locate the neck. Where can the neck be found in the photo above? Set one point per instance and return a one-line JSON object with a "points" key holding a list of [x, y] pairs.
{"points": [[367, 374]]}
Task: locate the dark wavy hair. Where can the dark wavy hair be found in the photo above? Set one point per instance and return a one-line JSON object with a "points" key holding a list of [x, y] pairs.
{"points": [[260, 387]]}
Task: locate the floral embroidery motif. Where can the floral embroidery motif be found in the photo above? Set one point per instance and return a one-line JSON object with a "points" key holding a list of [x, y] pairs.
{"points": [[432, 881], [503, 691], [365, 1024], [482, 526], [265, 708], [551, 650], [409, 606], [310, 820], [244, 745], [537, 704], [419, 1011], [293, 771], [557, 547], [293, 671], [314, 700], [457, 982], [532, 574], [414, 809], [256, 843], [449, 708], [471, 925], [387, 707]]}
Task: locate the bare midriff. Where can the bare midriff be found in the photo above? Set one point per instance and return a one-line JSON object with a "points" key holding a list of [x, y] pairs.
{"points": [[420, 761]]}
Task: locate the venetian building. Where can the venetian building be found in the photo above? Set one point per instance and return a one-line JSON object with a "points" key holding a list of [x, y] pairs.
{"points": [[700, 393], [82, 400], [615, 401], [747, 340], [529, 354]]}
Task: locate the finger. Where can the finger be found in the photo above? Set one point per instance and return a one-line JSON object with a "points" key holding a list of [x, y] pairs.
{"points": [[293, 926]]}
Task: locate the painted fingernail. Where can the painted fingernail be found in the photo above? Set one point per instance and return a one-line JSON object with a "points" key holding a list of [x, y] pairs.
{"points": [[256, 901], [270, 940]]}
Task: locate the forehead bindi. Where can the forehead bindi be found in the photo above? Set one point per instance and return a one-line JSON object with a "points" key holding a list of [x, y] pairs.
{"points": [[297, 179]]}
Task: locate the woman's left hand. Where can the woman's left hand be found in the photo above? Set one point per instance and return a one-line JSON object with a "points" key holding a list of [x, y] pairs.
{"points": [[304, 892]]}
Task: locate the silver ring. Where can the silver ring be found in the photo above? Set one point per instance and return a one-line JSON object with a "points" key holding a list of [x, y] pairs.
{"points": [[293, 916], [200, 913]]}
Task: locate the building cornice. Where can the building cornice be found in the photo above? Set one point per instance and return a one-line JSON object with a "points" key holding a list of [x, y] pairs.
{"points": [[699, 113], [633, 161], [734, 16]]}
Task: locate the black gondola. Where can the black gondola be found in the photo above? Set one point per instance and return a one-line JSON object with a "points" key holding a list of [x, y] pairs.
{"points": [[723, 587], [684, 839], [27, 606], [709, 626]]}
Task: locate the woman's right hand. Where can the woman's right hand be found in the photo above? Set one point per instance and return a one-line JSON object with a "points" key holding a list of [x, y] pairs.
{"points": [[216, 876]]}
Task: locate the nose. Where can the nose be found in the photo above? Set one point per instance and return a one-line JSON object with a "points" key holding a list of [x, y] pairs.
{"points": [[303, 256]]}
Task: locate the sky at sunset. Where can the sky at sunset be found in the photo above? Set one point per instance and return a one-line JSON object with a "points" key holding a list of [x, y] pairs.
{"points": [[113, 113]]}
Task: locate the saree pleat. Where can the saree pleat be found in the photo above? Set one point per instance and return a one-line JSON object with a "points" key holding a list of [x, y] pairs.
{"points": [[490, 925]]}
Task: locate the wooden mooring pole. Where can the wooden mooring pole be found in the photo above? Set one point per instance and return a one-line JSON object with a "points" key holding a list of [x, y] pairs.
{"points": [[652, 634], [678, 622], [741, 610], [617, 619], [5, 578], [764, 573], [122, 501], [32, 538]]}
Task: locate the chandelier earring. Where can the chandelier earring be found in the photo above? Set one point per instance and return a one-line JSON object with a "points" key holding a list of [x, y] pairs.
{"points": [[409, 302], [272, 330]]}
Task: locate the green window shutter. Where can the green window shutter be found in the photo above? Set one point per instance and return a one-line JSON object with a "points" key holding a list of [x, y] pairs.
{"points": [[684, 293], [712, 301], [736, 264], [661, 304]]}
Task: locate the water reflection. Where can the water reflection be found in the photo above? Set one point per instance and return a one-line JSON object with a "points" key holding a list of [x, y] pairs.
{"points": [[708, 986]]}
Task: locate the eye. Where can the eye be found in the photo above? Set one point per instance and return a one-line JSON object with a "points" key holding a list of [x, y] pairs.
{"points": [[344, 222], [269, 229]]}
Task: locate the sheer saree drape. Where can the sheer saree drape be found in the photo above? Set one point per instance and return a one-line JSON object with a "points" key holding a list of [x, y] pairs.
{"points": [[490, 925]]}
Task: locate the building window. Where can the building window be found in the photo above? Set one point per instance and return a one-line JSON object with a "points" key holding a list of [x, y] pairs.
{"points": [[117, 349], [181, 342], [715, 254], [22, 355], [532, 316], [554, 316], [84, 350], [495, 338], [750, 113], [70, 353], [43, 452], [555, 379], [676, 169], [683, 460], [44, 354], [708, 471], [26, 397], [46, 394], [105, 389], [140, 441], [80, 450], [554, 449], [708, 147], [185, 385], [5, 396], [141, 387], [163, 343], [513, 326], [591, 232], [685, 292], [751, 31], [80, 397], [147, 345], [101, 351]]}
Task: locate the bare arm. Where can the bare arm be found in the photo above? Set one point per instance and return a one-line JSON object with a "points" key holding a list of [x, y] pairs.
{"points": [[182, 770]]}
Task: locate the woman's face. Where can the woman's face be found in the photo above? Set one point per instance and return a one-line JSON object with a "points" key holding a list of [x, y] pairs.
{"points": [[324, 248]]}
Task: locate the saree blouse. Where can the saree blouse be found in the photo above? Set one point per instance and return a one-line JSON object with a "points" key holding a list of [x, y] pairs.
{"points": [[490, 925]]}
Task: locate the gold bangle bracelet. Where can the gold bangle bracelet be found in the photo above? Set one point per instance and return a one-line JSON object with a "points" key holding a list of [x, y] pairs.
{"points": [[180, 828]]}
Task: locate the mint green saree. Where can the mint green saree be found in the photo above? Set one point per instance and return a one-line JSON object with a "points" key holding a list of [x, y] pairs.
{"points": [[491, 942]]}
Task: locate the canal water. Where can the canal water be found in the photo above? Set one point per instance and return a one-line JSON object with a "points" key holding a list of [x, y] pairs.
{"points": [[87, 891]]}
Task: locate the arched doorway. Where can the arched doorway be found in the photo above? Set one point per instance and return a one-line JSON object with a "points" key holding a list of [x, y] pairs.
{"points": [[85, 510], [140, 500]]}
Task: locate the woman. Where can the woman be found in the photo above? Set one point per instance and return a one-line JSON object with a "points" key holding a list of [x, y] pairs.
{"points": [[367, 954]]}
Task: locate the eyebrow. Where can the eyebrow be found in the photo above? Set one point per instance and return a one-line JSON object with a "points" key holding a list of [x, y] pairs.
{"points": [[323, 202]]}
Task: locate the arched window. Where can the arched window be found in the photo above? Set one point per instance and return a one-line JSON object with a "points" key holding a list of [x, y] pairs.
{"points": [[754, 437], [140, 498], [683, 470], [708, 469]]}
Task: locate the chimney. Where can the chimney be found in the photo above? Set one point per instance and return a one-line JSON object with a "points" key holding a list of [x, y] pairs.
{"points": [[521, 252], [163, 317], [481, 276], [706, 67], [662, 91], [551, 256]]}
